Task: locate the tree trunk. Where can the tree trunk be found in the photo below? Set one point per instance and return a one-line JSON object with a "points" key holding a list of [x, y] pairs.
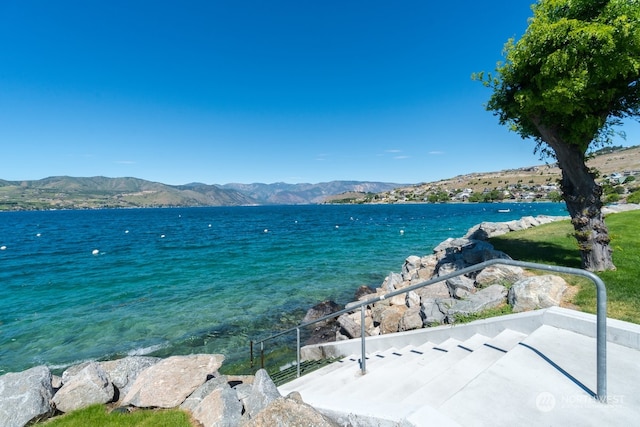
{"points": [[582, 195]]}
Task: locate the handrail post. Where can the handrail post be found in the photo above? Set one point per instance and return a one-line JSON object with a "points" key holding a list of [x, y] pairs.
{"points": [[298, 351], [601, 340], [262, 355], [363, 365]]}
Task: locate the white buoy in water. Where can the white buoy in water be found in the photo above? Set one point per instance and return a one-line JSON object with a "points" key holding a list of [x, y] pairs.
{"points": [[126, 231], [401, 232], [95, 252], [3, 248], [266, 230], [38, 235], [162, 236]]}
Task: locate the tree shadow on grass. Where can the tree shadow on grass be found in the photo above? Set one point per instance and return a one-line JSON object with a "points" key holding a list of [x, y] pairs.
{"points": [[538, 252]]}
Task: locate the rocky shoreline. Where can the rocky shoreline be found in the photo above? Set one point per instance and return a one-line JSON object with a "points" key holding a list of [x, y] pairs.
{"points": [[445, 302], [194, 384]]}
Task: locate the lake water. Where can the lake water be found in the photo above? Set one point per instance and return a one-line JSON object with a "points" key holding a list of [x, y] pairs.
{"points": [[79, 285]]}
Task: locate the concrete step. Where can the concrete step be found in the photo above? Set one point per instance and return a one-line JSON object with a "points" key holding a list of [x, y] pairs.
{"points": [[378, 378], [382, 368], [376, 383], [412, 378], [338, 379], [339, 371], [544, 394], [449, 381], [312, 376]]}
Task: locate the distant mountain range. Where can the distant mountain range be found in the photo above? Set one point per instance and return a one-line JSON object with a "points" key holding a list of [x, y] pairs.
{"points": [[64, 192]]}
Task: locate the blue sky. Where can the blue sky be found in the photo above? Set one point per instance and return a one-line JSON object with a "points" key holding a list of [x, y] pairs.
{"points": [[256, 90]]}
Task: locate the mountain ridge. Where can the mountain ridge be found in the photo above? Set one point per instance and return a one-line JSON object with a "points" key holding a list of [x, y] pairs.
{"points": [[67, 192]]}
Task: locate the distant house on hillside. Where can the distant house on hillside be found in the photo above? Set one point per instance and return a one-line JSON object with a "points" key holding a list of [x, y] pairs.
{"points": [[463, 195], [616, 178]]}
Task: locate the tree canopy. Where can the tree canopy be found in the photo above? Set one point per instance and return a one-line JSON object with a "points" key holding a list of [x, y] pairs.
{"points": [[576, 69]]}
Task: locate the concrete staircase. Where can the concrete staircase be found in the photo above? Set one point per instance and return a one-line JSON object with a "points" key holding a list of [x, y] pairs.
{"points": [[530, 369]]}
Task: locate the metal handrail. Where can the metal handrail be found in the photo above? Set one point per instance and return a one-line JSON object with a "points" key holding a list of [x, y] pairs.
{"points": [[601, 314]]}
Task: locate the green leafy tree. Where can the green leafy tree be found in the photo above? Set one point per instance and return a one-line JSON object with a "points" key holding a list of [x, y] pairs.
{"points": [[567, 83], [554, 196], [439, 196], [634, 197]]}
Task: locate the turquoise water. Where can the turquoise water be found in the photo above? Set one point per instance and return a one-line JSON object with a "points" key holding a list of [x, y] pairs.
{"points": [[79, 285]]}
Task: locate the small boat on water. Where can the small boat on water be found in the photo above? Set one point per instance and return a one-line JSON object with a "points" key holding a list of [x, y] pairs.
{"points": [[504, 210]]}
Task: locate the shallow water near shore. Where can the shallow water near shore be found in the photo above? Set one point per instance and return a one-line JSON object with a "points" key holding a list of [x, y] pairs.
{"points": [[79, 285]]}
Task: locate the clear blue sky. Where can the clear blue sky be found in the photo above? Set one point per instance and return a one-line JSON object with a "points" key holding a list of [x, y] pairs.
{"points": [[255, 90]]}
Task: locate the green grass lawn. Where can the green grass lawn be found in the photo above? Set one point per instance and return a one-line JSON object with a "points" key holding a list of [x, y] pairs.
{"points": [[554, 244], [98, 415]]}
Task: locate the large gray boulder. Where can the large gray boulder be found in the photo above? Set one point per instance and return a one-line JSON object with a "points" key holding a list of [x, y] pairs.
{"points": [[169, 382], [390, 318], [498, 275], [25, 397], [263, 392], [219, 408], [431, 313], [350, 325], [411, 267], [411, 319], [195, 398], [283, 412], [487, 229], [392, 282], [536, 292], [90, 385], [123, 372], [484, 299], [320, 310], [461, 286], [477, 251], [450, 264], [435, 290]]}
